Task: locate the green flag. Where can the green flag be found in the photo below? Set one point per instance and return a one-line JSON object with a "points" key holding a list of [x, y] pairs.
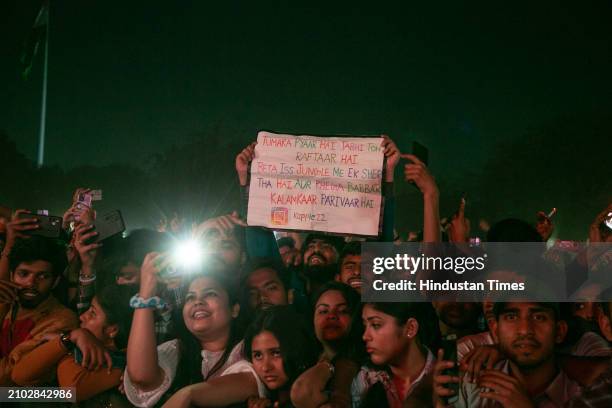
{"points": [[35, 39]]}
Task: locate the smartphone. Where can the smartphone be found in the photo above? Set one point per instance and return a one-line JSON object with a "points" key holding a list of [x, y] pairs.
{"points": [[84, 199], [421, 152], [170, 272], [449, 346], [50, 226], [109, 225]]}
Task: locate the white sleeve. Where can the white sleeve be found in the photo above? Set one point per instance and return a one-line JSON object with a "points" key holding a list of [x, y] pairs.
{"points": [[167, 358], [243, 366]]}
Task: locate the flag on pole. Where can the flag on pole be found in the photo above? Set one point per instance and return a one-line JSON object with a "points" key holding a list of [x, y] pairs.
{"points": [[35, 38]]}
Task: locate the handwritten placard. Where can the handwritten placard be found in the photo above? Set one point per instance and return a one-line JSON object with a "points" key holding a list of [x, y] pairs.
{"points": [[330, 184]]}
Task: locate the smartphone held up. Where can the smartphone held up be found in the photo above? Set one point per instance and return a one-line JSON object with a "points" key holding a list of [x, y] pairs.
{"points": [[49, 226]]}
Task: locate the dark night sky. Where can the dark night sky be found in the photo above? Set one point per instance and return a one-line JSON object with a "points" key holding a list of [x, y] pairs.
{"points": [[128, 79]]}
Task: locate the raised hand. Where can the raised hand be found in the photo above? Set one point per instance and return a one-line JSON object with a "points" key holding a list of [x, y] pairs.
{"points": [[417, 173], [153, 264], [18, 227], [544, 226], [595, 231], [87, 250], [224, 225], [459, 226], [242, 163], [392, 154]]}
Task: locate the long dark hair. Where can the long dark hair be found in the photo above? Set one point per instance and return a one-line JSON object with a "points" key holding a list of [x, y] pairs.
{"points": [[298, 345], [351, 346], [189, 368]]}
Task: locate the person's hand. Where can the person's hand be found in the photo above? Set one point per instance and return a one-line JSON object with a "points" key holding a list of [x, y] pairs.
{"points": [[479, 359], [257, 402], [242, 163], [87, 250], [392, 154], [441, 390], [18, 227], [506, 389], [8, 292], [94, 352], [51, 336], [417, 173], [121, 386], [152, 265], [223, 225], [595, 234], [293, 257], [68, 217], [80, 214], [544, 226], [77, 193], [459, 226], [176, 224], [78, 211]]}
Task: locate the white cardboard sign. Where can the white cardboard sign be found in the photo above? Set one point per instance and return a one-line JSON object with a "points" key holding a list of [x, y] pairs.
{"points": [[312, 183]]}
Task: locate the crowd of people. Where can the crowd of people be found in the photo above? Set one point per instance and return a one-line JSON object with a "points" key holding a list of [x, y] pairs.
{"points": [[262, 322]]}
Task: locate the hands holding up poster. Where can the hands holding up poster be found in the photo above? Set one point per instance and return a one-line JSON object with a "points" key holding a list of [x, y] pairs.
{"points": [[330, 184]]}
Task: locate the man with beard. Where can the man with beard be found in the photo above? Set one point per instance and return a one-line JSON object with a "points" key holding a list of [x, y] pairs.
{"points": [[27, 307], [320, 260], [265, 284], [529, 375], [349, 270]]}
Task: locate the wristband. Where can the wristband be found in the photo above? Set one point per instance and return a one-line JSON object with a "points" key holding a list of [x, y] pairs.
{"points": [[155, 302]]}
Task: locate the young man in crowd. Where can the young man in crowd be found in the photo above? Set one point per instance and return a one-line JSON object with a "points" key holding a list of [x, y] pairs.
{"points": [[320, 255], [349, 270], [599, 393], [265, 284], [529, 376], [28, 310]]}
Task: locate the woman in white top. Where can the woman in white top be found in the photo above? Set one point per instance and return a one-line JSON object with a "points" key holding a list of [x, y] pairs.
{"points": [[207, 344], [279, 347]]}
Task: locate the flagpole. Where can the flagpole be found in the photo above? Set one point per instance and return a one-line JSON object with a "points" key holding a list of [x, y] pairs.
{"points": [[43, 111]]}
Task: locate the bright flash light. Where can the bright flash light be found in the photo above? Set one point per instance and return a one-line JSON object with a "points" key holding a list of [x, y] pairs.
{"points": [[188, 254]]}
